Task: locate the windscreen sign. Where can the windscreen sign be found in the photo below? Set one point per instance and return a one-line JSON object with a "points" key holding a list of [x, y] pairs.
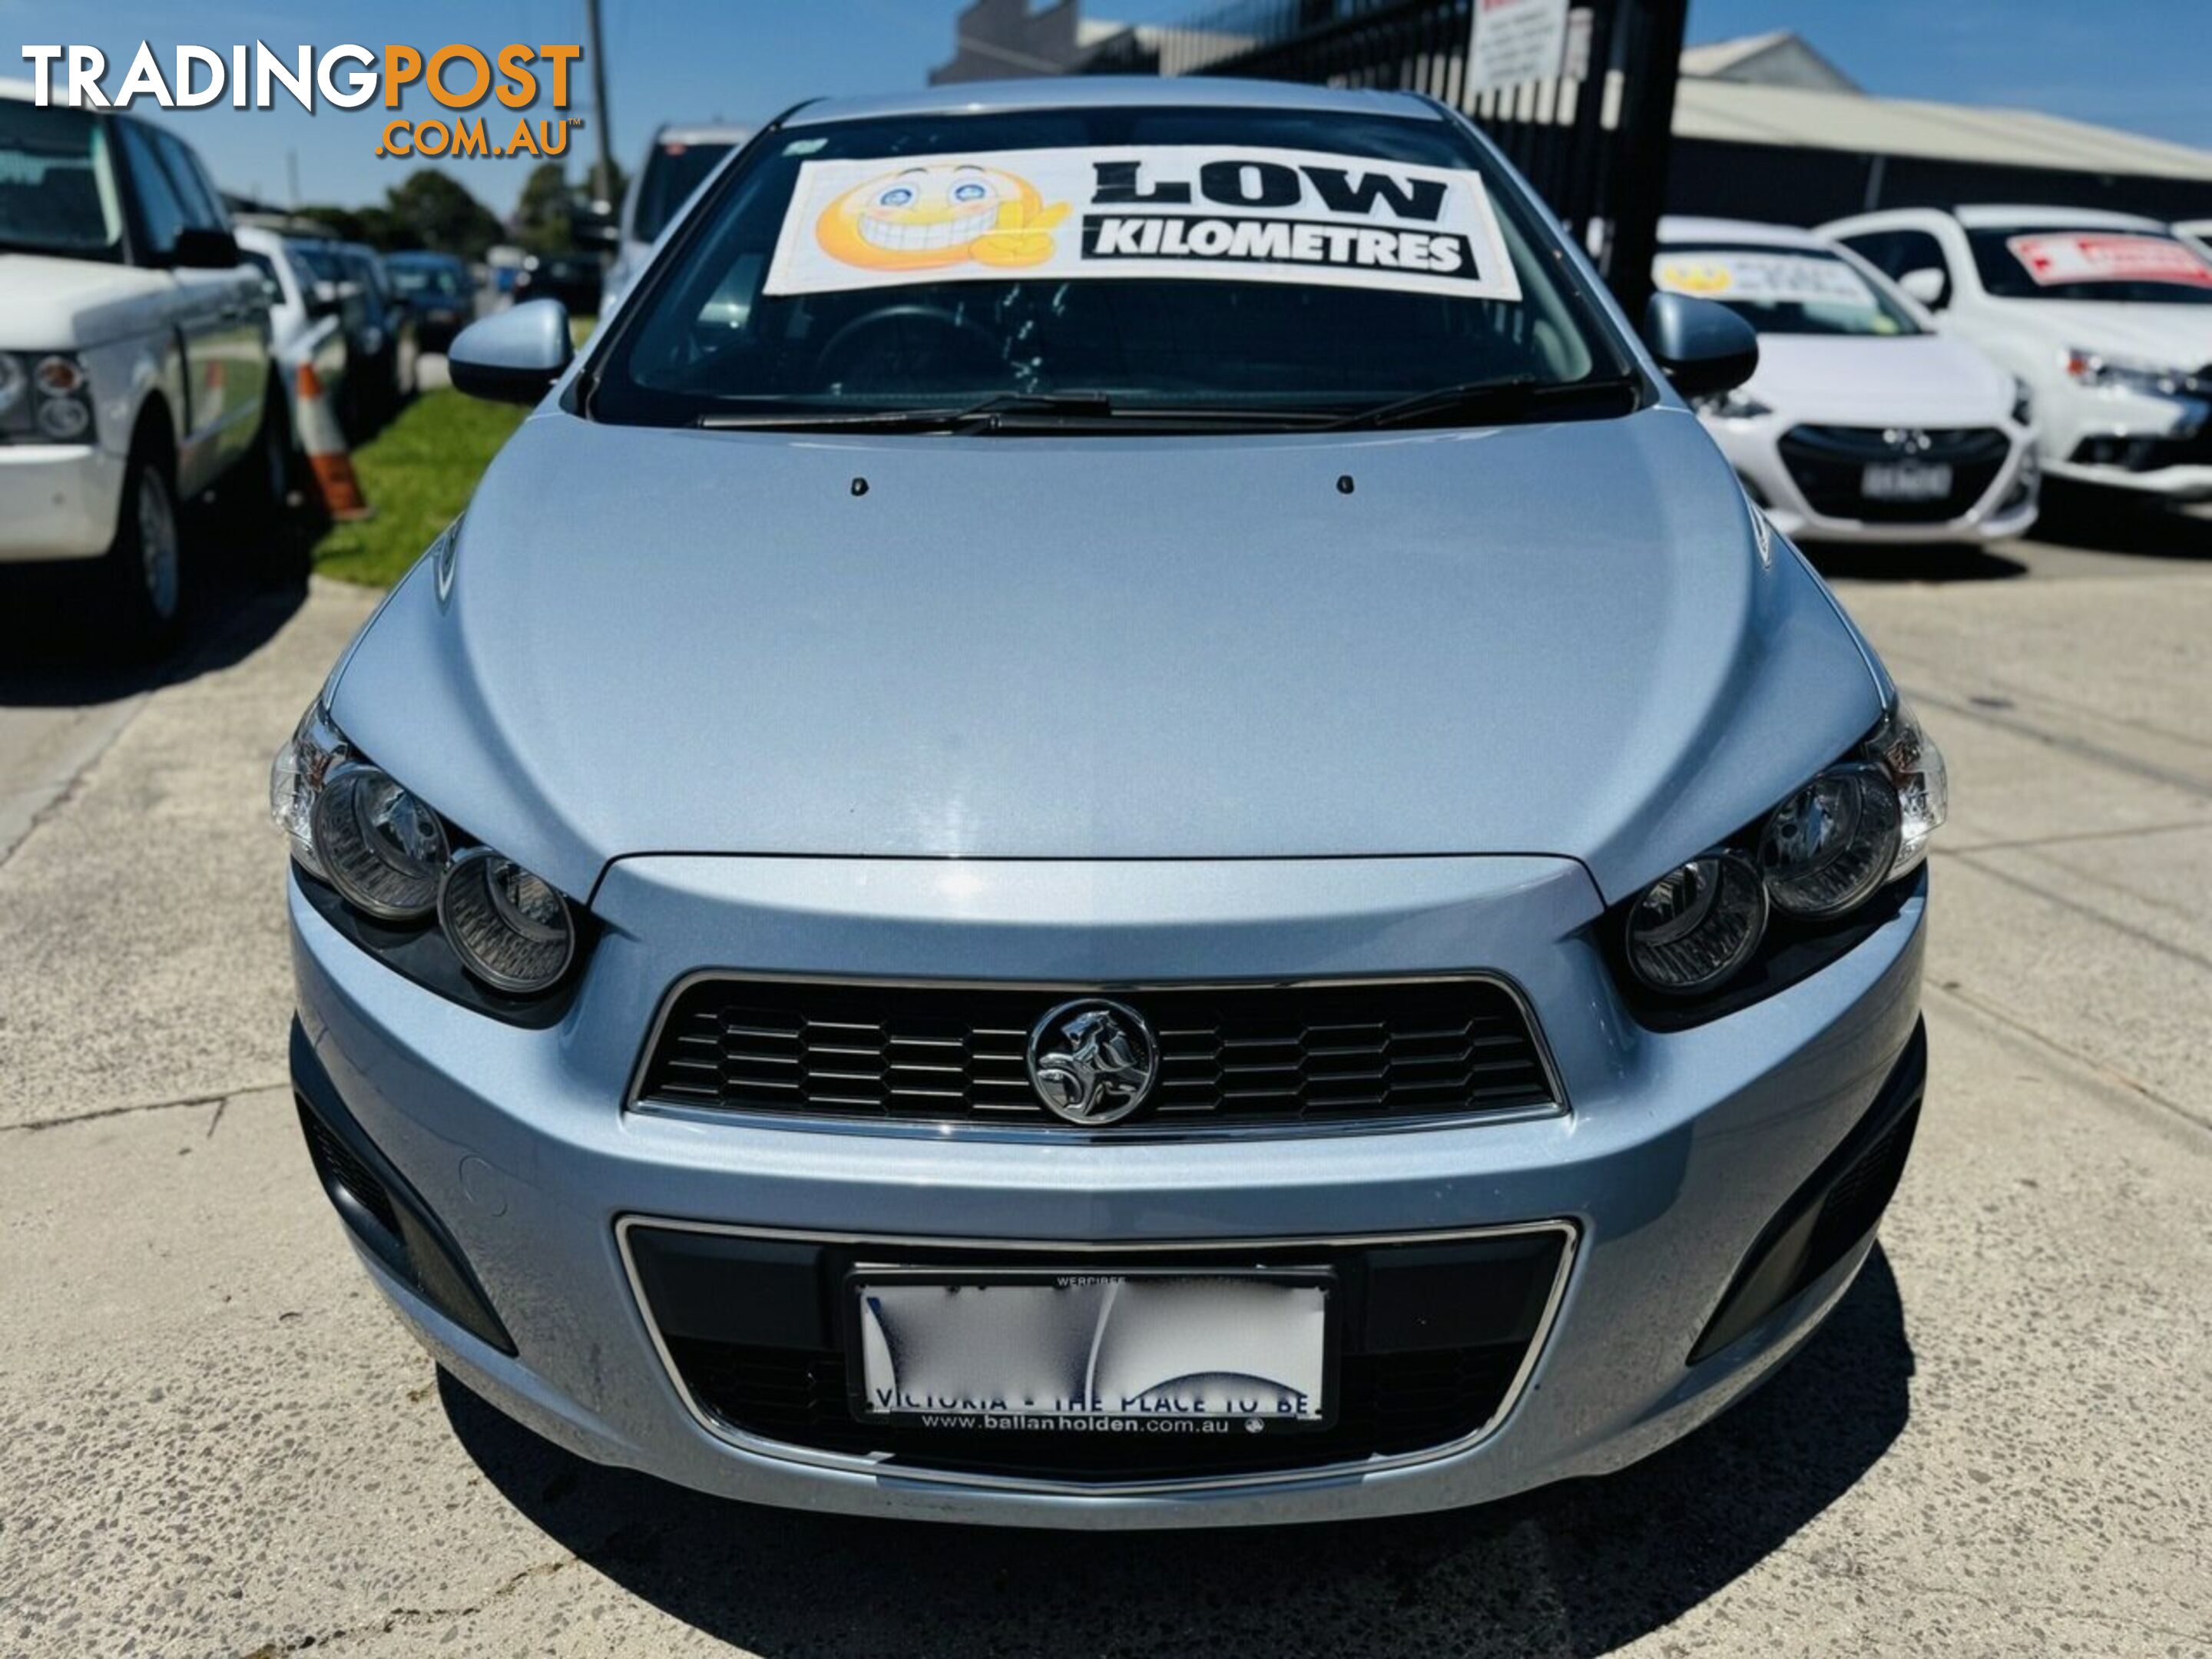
{"points": [[1186, 211], [1765, 279], [2056, 257]]}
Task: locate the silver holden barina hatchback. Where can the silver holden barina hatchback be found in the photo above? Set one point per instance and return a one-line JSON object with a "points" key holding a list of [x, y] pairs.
{"points": [[1112, 820]]}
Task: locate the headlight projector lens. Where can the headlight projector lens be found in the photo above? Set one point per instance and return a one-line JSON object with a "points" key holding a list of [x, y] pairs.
{"points": [[1827, 848], [1696, 925], [382, 849], [509, 927]]}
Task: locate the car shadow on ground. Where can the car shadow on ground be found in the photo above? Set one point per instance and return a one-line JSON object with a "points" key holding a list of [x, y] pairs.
{"points": [[1578, 1570], [54, 651], [1913, 562], [2104, 522]]}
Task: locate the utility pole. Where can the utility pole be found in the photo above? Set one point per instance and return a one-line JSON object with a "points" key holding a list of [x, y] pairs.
{"points": [[603, 169]]}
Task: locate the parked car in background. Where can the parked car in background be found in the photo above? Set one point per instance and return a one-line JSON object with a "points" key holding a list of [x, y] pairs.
{"points": [[135, 360], [339, 293], [1290, 908], [439, 289], [677, 163], [2105, 316], [1861, 423], [305, 329], [393, 368], [2197, 233], [574, 279]]}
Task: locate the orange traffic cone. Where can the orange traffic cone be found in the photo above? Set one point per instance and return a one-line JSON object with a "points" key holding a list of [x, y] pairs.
{"points": [[327, 455]]}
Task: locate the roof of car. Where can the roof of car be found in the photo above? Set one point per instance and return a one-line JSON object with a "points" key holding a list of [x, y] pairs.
{"points": [[701, 132], [1985, 215], [423, 256], [1110, 92], [1678, 229]]}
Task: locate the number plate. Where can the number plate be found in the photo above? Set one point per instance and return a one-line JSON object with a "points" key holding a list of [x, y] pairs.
{"points": [[1051, 1350], [1907, 481]]}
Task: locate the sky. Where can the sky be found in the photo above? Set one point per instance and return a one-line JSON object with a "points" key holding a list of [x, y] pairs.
{"points": [[2141, 64]]}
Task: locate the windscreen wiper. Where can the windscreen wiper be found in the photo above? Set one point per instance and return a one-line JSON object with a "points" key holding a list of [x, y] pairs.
{"points": [[987, 415], [1480, 403]]}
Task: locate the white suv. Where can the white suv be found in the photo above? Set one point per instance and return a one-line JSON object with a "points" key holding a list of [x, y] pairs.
{"points": [[2106, 317], [135, 369]]}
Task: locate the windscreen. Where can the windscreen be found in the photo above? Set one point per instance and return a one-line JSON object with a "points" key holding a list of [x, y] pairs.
{"points": [[57, 186], [671, 172], [2138, 267], [1163, 258], [1785, 291], [412, 280]]}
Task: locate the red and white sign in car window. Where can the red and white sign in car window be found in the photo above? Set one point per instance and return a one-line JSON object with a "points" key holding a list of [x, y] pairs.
{"points": [[2104, 255]]}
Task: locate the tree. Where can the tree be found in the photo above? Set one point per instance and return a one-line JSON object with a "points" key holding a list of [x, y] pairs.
{"points": [[428, 209], [541, 214]]}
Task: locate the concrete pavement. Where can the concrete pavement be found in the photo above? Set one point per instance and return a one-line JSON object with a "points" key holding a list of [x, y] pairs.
{"points": [[220, 1444]]}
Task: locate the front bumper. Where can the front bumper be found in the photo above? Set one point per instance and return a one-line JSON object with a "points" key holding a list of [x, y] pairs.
{"points": [[58, 501], [1672, 1157]]}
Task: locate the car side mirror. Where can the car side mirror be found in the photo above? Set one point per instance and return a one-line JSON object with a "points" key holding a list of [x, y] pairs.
{"points": [[200, 249], [1930, 286], [1704, 347], [513, 356]]}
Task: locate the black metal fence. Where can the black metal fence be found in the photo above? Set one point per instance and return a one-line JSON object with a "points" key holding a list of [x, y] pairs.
{"points": [[1593, 140]]}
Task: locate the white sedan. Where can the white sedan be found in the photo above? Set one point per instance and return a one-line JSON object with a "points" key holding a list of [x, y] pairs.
{"points": [[1861, 424], [2106, 317]]}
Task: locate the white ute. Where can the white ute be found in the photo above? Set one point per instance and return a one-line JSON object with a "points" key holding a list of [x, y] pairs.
{"points": [[1861, 423], [135, 368], [2106, 317]]}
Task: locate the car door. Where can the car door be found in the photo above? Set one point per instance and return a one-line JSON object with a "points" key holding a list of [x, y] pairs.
{"points": [[240, 349], [195, 310]]}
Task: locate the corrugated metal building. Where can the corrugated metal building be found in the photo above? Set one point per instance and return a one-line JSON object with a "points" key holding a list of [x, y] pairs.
{"points": [[1761, 133]]}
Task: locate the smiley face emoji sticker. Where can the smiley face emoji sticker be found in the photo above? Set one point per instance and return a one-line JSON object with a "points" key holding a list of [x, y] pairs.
{"points": [[920, 218]]}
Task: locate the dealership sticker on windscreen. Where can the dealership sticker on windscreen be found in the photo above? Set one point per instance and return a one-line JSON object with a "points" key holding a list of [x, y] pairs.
{"points": [[1229, 213], [1763, 278], [2057, 256]]}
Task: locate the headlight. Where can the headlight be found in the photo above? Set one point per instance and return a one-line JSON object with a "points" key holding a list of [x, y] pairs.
{"points": [[1827, 848], [2093, 368], [382, 849], [509, 927], [44, 397], [2023, 404], [1737, 406], [295, 781], [1695, 926], [371, 848], [1902, 749], [1810, 867]]}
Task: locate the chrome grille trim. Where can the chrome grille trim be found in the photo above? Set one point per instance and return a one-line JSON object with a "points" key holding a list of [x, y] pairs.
{"points": [[1025, 1123]]}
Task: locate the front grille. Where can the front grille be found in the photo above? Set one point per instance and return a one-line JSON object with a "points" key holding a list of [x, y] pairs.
{"points": [[1430, 1336], [1235, 1054], [2147, 454], [1828, 464]]}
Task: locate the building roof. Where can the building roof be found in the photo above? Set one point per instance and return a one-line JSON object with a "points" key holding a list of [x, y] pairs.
{"points": [[1780, 57], [1735, 113]]}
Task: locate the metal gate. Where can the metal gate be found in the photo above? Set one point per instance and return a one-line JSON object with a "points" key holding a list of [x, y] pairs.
{"points": [[1593, 141]]}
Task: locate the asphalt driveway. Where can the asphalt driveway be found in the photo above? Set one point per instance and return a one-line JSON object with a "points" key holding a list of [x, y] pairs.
{"points": [[219, 1442]]}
